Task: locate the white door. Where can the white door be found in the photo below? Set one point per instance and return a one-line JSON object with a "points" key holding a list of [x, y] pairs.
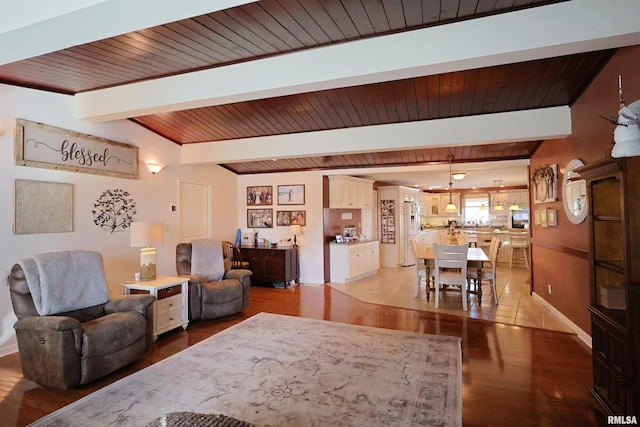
{"points": [[194, 211]]}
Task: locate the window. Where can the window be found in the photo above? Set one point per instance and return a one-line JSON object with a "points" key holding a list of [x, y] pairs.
{"points": [[476, 209]]}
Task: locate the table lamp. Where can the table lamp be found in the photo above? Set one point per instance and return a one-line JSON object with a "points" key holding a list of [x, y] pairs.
{"points": [[146, 235], [295, 229]]}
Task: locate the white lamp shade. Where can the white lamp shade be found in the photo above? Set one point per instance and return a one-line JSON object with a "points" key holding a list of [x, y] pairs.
{"points": [[146, 234], [295, 229], [155, 167], [451, 208]]}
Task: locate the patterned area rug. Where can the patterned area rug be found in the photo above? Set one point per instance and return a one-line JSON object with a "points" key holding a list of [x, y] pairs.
{"points": [[274, 370]]}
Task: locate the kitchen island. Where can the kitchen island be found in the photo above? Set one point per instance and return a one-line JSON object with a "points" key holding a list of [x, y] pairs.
{"points": [[352, 261]]}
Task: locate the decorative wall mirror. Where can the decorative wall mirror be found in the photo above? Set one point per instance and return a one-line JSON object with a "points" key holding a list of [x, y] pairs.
{"points": [[574, 193]]}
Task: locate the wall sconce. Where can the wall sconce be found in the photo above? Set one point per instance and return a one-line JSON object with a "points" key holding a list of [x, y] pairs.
{"points": [[145, 235], [154, 167], [295, 229]]}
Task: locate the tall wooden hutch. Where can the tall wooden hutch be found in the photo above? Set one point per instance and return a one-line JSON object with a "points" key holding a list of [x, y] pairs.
{"points": [[614, 255]]}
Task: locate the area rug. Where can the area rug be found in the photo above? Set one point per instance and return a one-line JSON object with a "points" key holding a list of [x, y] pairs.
{"points": [[275, 370]]}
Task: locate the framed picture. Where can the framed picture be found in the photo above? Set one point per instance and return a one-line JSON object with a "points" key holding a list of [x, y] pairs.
{"points": [[291, 194], [543, 218], [545, 184], [260, 218], [298, 217], [283, 218], [536, 217], [552, 217], [260, 195], [339, 238]]}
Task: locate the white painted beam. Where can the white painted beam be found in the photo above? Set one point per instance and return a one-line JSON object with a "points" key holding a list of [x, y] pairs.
{"points": [[539, 32], [531, 125], [96, 21]]}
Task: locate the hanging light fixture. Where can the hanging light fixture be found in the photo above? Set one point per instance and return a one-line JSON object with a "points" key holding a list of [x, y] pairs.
{"points": [[514, 207], [498, 204], [450, 208], [459, 176]]}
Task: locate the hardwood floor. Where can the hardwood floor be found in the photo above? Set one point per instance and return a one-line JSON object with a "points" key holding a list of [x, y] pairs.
{"points": [[512, 375]]}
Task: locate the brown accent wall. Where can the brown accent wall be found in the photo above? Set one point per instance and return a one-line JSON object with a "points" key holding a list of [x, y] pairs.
{"points": [[560, 253]]}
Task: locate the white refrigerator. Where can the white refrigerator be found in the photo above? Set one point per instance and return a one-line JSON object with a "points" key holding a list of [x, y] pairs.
{"points": [[409, 227]]}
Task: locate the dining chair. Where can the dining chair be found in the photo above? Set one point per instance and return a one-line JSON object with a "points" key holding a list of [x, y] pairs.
{"points": [[473, 272], [233, 253], [519, 242], [450, 269], [483, 240], [488, 270], [423, 269]]}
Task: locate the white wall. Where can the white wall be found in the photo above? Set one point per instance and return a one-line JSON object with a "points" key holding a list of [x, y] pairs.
{"points": [[310, 242], [153, 195]]}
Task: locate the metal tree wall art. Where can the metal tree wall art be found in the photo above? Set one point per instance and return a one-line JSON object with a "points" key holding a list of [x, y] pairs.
{"points": [[114, 210], [545, 182]]}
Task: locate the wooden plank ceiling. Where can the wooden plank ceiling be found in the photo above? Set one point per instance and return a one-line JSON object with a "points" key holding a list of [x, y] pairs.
{"points": [[274, 27]]}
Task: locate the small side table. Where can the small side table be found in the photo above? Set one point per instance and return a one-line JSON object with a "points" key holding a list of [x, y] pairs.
{"points": [[171, 309]]}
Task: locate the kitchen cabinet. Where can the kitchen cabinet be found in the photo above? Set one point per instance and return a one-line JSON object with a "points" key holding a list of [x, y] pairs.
{"points": [[347, 192], [279, 266], [613, 197], [354, 261]]}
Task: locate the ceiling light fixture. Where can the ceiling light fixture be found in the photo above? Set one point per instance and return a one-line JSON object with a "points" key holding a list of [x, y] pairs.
{"points": [[497, 206], [459, 176], [450, 208]]}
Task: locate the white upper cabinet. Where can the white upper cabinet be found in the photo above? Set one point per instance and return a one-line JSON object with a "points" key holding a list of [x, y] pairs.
{"points": [[347, 192]]}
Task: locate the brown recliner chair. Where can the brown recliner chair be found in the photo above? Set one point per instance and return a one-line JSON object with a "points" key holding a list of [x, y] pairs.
{"points": [[213, 299], [70, 343]]}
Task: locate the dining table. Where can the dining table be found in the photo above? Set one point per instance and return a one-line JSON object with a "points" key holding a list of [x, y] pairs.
{"points": [[475, 258]]}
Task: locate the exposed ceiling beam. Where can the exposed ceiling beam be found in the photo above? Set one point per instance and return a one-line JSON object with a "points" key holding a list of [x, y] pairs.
{"points": [[540, 124]]}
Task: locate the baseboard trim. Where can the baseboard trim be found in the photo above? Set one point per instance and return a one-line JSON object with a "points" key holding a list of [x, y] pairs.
{"points": [[582, 335], [9, 349]]}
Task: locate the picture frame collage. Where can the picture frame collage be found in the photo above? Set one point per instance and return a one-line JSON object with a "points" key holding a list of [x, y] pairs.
{"points": [[286, 195]]}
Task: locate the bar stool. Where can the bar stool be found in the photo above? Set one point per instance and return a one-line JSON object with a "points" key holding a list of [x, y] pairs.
{"points": [[519, 242]]}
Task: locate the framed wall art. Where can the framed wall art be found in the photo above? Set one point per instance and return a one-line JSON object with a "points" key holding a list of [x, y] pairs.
{"points": [[298, 217], [552, 217], [291, 194], [283, 218], [42, 207], [260, 218], [543, 218], [545, 184], [260, 195], [42, 146]]}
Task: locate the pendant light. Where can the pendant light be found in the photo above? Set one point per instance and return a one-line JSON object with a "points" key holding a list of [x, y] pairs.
{"points": [[498, 204], [450, 208], [514, 206]]}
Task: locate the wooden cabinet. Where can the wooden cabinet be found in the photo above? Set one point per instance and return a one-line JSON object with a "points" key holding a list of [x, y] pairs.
{"points": [[171, 309], [347, 192], [353, 261], [278, 266], [613, 197]]}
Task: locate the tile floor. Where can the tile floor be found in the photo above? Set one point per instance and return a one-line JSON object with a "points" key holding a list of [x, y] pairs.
{"points": [[395, 287]]}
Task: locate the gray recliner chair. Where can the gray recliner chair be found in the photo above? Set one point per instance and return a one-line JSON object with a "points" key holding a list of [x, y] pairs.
{"points": [[69, 331], [210, 299]]}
